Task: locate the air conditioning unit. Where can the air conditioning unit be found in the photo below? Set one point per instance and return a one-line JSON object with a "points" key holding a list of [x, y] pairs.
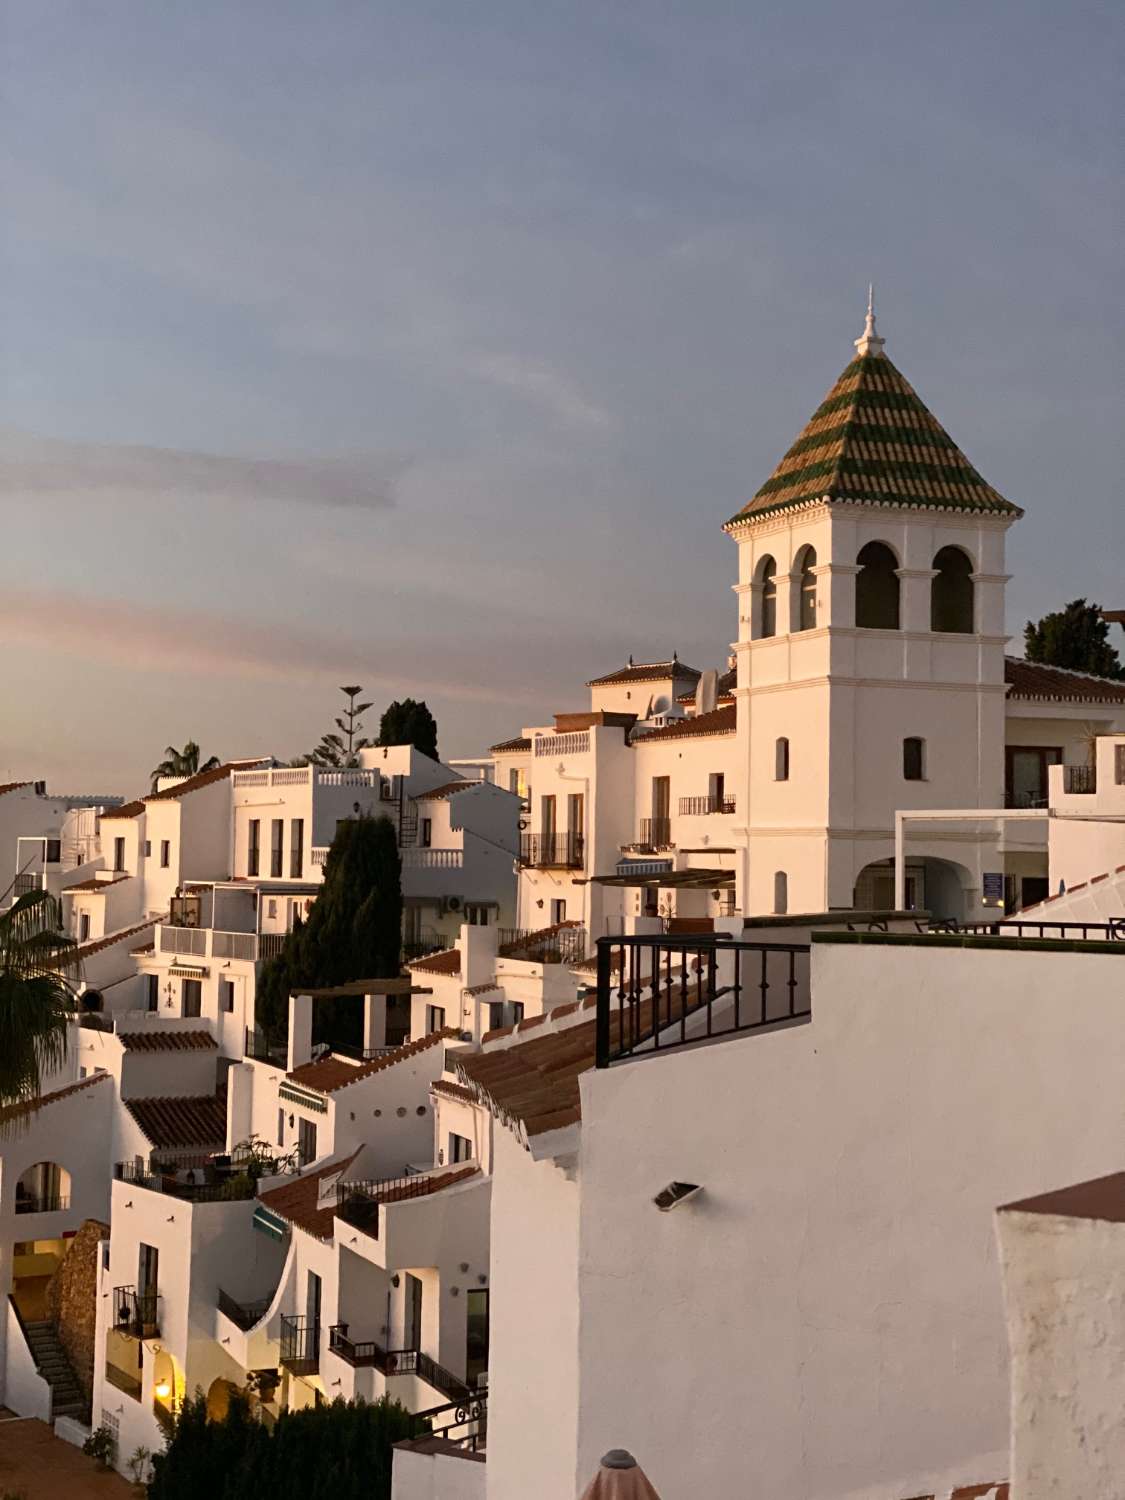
{"points": [[386, 791], [451, 904]]}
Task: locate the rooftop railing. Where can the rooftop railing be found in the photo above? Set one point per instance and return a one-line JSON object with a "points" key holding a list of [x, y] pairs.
{"points": [[464, 1422], [657, 993], [1080, 781], [575, 743], [1111, 931], [243, 1314], [564, 943]]}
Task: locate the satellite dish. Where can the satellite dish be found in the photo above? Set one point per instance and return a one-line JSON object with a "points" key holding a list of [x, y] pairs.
{"points": [[707, 692]]}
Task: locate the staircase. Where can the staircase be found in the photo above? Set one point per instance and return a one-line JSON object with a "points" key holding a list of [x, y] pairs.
{"points": [[67, 1399]]}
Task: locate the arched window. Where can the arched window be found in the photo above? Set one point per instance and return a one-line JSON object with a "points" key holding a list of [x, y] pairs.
{"points": [[876, 588], [806, 595], [780, 892], [781, 760], [913, 759], [767, 600], [951, 592], [43, 1189]]}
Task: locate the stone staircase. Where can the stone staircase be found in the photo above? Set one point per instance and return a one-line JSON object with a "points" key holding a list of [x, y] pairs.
{"points": [[67, 1399]]}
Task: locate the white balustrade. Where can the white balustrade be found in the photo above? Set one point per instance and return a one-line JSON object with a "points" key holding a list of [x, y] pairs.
{"points": [[576, 743], [291, 776], [347, 778], [433, 859], [318, 856], [251, 778]]}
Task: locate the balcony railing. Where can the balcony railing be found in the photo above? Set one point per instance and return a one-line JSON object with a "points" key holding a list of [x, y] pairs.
{"points": [[562, 944], [463, 1422], [357, 1203], [414, 1362], [655, 833], [259, 1048], [243, 1314], [33, 1203], [136, 1313], [225, 1184], [270, 944], [204, 942], [552, 851], [318, 855], [701, 807], [676, 991], [433, 859], [576, 743], [1080, 781], [1112, 931], [362, 1355], [300, 1345]]}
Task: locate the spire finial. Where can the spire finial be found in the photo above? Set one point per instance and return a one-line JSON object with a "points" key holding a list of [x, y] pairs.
{"points": [[869, 342]]}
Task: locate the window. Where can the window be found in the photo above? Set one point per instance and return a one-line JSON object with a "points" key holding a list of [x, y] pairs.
{"points": [[547, 821], [806, 583], [558, 912], [876, 588], [83, 926], [192, 997], [226, 995], [1119, 765], [435, 1018], [253, 846], [514, 780], [165, 853], [781, 892], [1025, 780], [118, 855], [296, 848], [281, 1127], [781, 760], [913, 759], [575, 814], [476, 1335], [951, 592], [306, 1144], [427, 832], [476, 914], [152, 992], [767, 598], [716, 791], [148, 848], [460, 1148], [53, 856], [277, 834]]}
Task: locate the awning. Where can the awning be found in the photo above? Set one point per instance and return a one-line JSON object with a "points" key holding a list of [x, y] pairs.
{"points": [[672, 880], [270, 1224], [186, 971]]}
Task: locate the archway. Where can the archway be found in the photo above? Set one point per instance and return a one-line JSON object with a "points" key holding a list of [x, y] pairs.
{"points": [[219, 1394], [765, 611], [43, 1189], [876, 588], [804, 606], [951, 592]]}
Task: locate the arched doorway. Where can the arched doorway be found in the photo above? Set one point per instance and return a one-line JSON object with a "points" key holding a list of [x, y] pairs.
{"points": [[219, 1395]]}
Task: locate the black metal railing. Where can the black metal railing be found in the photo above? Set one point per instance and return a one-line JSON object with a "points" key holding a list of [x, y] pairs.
{"points": [[300, 1345], [360, 1054], [414, 1362], [357, 1203], [697, 807], [1080, 780], [552, 851], [1066, 932], [92, 1020], [464, 1422], [362, 1354], [243, 1314], [34, 1203], [562, 944], [259, 1048], [655, 833], [23, 884], [211, 1185], [136, 1313], [656, 993]]}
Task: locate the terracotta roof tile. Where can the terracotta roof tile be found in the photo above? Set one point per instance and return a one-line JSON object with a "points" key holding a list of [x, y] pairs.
{"points": [[645, 671], [87, 950], [12, 786], [718, 721], [1030, 679], [96, 885], [1102, 1198], [332, 1073], [167, 1040], [446, 962], [444, 792], [32, 1106], [200, 779], [452, 1091], [296, 1201], [193, 1121], [511, 747], [873, 441], [994, 1491], [126, 810]]}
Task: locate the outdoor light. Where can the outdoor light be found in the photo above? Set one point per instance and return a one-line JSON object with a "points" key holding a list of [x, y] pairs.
{"points": [[163, 1390], [674, 1194]]}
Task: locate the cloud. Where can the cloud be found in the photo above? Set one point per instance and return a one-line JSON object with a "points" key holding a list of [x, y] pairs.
{"points": [[543, 385], [33, 465]]}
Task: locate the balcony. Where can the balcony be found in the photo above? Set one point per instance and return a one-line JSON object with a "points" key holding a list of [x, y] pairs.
{"points": [[654, 833], [552, 851], [243, 1315], [562, 944], [703, 807], [1080, 781], [136, 1313], [300, 1345], [32, 1203], [366, 1355], [209, 942], [195, 1180]]}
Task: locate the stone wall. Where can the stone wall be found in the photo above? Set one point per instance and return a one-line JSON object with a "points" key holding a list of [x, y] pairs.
{"points": [[72, 1300]]}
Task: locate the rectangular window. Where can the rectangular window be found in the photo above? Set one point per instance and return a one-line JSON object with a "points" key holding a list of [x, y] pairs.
{"points": [[575, 814], [277, 834], [435, 1018], [1119, 764], [83, 926], [306, 1142], [226, 996], [558, 912], [913, 759], [118, 855], [152, 992], [514, 780], [53, 856], [281, 1127], [547, 822], [427, 832], [476, 915], [148, 848], [165, 853], [1025, 780], [716, 790], [460, 1148], [253, 846], [193, 997], [296, 848], [781, 760]]}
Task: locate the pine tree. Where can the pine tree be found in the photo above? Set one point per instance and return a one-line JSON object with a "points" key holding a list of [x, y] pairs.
{"points": [[409, 723], [1076, 637]]}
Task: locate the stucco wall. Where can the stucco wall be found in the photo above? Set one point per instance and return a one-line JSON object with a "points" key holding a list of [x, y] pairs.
{"points": [[836, 1283], [437, 1476]]}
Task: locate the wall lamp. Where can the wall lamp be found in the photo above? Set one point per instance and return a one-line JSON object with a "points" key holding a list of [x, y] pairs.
{"points": [[674, 1194]]}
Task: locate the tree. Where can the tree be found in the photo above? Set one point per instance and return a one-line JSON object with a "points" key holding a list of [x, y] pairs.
{"points": [[409, 723], [1076, 637], [354, 930], [36, 999], [183, 762], [341, 749]]}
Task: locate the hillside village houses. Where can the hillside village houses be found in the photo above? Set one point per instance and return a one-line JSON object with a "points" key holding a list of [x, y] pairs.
{"points": [[677, 1130]]}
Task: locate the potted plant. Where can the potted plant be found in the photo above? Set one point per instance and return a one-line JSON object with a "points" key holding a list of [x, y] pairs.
{"points": [[100, 1445]]}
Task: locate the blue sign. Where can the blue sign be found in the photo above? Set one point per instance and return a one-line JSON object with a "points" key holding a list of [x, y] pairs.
{"points": [[994, 888]]}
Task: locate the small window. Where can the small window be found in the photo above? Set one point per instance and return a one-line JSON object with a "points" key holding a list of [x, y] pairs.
{"points": [[193, 997], [951, 592], [226, 996], [781, 760], [53, 855], [296, 848], [148, 848], [253, 846], [277, 834], [1119, 765], [427, 833], [806, 602], [83, 926], [271, 908], [460, 1148], [118, 855], [152, 992], [165, 853], [767, 598], [281, 1127], [780, 892], [558, 912], [306, 1144], [913, 759], [435, 1018]]}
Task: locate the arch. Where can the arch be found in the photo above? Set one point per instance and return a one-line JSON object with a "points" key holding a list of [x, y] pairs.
{"points": [[951, 592], [781, 759], [780, 892], [876, 588], [804, 605], [219, 1394], [766, 611], [43, 1189]]}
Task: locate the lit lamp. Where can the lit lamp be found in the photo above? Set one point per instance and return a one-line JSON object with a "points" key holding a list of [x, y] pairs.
{"points": [[163, 1389]]}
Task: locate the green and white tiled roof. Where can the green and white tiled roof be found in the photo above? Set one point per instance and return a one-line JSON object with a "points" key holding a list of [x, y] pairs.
{"points": [[872, 441]]}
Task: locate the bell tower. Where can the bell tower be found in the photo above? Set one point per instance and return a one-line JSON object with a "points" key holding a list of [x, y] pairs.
{"points": [[870, 650]]}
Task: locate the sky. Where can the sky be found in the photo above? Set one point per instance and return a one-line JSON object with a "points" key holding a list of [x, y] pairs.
{"points": [[428, 345]]}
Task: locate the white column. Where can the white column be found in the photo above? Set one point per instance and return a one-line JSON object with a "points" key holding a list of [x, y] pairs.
{"points": [[300, 1031], [374, 1022], [900, 865]]}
